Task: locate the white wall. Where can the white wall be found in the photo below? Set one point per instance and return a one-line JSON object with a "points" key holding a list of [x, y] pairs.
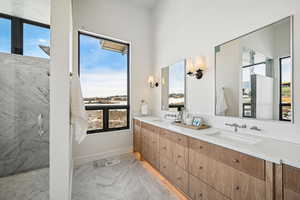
{"points": [[128, 22], [194, 27], [60, 62]]}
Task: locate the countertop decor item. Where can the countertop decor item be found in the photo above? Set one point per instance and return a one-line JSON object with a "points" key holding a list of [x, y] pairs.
{"points": [[202, 126], [144, 108]]}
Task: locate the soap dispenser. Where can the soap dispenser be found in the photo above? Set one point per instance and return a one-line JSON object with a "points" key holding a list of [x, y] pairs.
{"points": [[144, 108]]}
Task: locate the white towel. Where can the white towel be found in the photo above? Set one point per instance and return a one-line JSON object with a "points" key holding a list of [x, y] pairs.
{"points": [[221, 106], [79, 118]]}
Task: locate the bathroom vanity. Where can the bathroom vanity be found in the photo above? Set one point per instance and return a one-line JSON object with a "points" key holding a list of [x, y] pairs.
{"points": [[206, 168]]}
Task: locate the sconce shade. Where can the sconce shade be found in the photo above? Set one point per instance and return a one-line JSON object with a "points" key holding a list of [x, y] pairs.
{"points": [[189, 65], [200, 63], [150, 79]]}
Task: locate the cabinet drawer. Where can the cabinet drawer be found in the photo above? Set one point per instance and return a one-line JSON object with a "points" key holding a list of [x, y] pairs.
{"points": [[180, 178], [148, 126], [199, 146], [179, 139], [291, 178], [248, 164], [198, 165], [180, 156], [198, 190], [164, 166]]}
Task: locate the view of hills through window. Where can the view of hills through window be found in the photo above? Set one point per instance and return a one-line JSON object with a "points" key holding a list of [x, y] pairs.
{"points": [[103, 75]]}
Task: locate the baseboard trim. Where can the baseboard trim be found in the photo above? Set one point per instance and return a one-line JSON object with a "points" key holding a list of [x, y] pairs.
{"points": [[98, 156]]}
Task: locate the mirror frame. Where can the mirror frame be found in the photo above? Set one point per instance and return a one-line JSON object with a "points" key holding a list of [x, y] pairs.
{"points": [[291, 17], [185, 86]]}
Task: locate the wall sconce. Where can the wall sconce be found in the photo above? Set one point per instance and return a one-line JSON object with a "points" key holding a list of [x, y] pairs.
{"points": [[152, 82], [196, 69]]}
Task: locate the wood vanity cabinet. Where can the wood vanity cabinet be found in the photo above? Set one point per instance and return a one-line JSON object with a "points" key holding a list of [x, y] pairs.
{"points": [[150, 144], [291, 182], [204, 171], [136, 136]]}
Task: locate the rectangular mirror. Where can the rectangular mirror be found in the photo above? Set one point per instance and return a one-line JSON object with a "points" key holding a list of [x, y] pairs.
{"points": [[173, 86], [254, 74]]}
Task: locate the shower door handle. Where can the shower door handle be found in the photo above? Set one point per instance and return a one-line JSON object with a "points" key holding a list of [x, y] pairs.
{"points": [[40, 125]]}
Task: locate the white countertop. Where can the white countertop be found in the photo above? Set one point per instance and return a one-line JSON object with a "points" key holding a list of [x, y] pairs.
{"points": [[268, 149]]}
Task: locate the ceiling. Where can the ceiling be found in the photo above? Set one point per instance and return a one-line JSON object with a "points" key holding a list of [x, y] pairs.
{"points": [[36, 10]]}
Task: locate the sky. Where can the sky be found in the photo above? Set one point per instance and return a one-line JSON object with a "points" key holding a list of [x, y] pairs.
{"points": [[33, 36], [102, 73]]}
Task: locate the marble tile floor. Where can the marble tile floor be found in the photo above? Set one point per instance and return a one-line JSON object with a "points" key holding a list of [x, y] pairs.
{"points": [[33, 185], [127, 180]]}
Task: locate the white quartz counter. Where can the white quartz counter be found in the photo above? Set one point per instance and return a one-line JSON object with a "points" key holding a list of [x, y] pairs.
{"points": [[268, 149]]}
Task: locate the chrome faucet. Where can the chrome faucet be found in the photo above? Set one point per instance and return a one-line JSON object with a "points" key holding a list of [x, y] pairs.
{"points": [[255, 128], [236, 126]]}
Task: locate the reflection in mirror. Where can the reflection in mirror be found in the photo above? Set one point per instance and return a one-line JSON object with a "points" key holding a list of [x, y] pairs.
{"points": [[254, 74], [173, 86]]}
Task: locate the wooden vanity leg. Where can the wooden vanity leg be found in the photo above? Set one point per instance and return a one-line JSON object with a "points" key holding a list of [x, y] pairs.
{"points": [[278, 182], [270, 180]]}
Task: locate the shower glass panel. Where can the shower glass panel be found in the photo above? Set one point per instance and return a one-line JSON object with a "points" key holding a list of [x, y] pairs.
{"points": [[24, 114]]}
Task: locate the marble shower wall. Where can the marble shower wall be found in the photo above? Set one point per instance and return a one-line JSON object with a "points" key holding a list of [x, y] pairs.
{"points": [[24, 95]]}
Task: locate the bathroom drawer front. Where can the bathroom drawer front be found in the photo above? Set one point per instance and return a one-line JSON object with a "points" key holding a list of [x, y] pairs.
{"points": [[291, 179], [166, 145], [136, 136], [179, 139], [199, 146], [148, 127], [165, 167], [248, 164], [198, 165], [233, 183], [181, 155], [137, 122], [180, 178], [199, 190]]}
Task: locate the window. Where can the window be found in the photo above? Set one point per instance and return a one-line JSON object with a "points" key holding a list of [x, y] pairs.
{"points": [[34, 39], [104, 76], [285, 108], [5, 35], [24, 37]]}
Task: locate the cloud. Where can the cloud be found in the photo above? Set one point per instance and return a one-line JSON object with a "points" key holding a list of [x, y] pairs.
{"points": [[103, 83]]}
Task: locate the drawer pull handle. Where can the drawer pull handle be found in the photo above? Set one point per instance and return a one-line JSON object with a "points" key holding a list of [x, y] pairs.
{"points": [[236, 160], [200, 167], [178, 156], [179, 178], [200, 147], [165, 148], [179, 139], [237, 188], [164, 167], [200, 194]]}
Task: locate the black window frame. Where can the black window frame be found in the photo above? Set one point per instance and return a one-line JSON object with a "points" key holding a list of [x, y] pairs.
{"points": [[17, 36], [281, 105], [106, 108]]}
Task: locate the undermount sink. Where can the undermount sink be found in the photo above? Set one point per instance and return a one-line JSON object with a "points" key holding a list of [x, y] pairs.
{"points": [[237, 137], [157, 120]]}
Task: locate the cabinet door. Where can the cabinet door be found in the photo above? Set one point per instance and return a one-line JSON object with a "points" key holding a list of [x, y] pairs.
{"points": [[154, 148], [180, 150], [165, 144], [198, 165], [245, 187], [165, 167], [199, 190], [291, 183], [136, 136], [180, 178]]}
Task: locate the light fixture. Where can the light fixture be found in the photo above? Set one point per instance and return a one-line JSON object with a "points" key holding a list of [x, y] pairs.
{"points": [[152, 82], [196, 69]]}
